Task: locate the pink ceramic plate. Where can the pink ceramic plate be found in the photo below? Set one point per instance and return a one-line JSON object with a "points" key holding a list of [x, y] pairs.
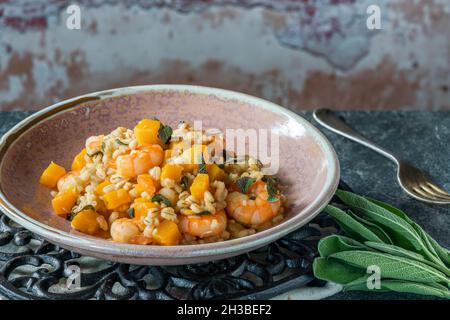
{"points": [[309, 166]]}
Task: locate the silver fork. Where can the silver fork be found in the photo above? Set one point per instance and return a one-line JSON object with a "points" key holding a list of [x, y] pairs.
{"points": [[412, 180]]}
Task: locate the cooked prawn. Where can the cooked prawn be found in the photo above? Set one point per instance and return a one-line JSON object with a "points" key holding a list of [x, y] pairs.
{"points": [[125, 230], [204, 225], [94, 144], [252, 209], [68, 181], [139, 161]]}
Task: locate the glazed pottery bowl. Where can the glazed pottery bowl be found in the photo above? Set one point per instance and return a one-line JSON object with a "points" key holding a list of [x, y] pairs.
{"points": [[308, 165]]}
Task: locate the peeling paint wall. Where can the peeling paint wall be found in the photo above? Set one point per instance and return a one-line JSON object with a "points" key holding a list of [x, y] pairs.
{"points": [[302, 54]]}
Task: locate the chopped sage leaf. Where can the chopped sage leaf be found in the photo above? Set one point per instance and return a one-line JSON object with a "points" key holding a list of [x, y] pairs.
{"points": [[184, 182], [164, 133], [130, 212], [160, 198], [244, 183], [95, 153], [88, 207], [272, 188], [72, 214], [202, 167], [121, 143]]}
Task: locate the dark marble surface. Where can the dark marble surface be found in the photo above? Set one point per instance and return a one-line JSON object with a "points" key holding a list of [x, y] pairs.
{"points": [[419, 137]]}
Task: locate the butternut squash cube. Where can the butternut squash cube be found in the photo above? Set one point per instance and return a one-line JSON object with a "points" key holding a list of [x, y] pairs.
{"points": [[167, 234], [98, 190], [116, 198], [167, 155], [199, 186], [51, 175], [215, 173], [63, 203], [146, 131], [145, 183], [86, 221], [141, 207], [79, 162], [171, 171]]}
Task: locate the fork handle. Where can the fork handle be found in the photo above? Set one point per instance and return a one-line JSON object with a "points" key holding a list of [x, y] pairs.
{"points": [[330, 121]]}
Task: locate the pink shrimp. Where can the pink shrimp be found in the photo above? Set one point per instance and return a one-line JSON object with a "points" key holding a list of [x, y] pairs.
{"points": [[252, 209]]}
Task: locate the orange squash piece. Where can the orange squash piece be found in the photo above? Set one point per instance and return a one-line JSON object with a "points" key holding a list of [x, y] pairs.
{"points": [[171, 171], [145, 183], [216, 173], [79, 162], [141, 207], [63, 203], [98, 190], [86, 221], [199, 186], [146, 131], [167, 155], [116, 198], [51, 175], [167, 234]]}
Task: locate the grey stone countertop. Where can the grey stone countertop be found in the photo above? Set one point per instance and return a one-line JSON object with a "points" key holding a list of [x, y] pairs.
{"points": [[419, 137]]}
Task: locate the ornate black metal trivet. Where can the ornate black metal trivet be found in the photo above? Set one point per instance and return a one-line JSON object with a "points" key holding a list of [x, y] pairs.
{"points": [[32, 268]]}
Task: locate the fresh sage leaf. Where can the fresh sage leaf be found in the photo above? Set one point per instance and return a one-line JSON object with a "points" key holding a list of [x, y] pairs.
{"points": [[372, 227], [392, 209], [434, 256], [400, 252], [401, 286], [392, 266], [336, 243], [335, 271], [161, 199], [443, 253], [351, 226], [400, 231], [395, 250], [244, 183]]}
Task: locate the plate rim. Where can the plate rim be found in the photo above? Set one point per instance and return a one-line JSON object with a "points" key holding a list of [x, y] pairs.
{"points": [[142, 254]]}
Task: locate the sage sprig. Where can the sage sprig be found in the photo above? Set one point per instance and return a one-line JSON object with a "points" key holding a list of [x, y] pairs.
{"points": [[409, 259]]}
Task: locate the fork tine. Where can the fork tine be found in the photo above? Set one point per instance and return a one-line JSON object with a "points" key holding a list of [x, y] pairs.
{"points": [[437, 189], [431, 190], [420, 197], [424, 194]]}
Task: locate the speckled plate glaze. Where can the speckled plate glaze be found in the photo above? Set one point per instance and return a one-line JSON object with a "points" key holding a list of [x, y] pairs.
{"points": [[309, 165]]}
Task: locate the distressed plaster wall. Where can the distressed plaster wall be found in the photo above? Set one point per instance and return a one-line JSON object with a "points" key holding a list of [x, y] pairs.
{"points": [[301, 54]]}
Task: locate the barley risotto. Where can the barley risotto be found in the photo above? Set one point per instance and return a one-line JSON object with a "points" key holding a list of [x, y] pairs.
{"points": [[155, 185]]}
